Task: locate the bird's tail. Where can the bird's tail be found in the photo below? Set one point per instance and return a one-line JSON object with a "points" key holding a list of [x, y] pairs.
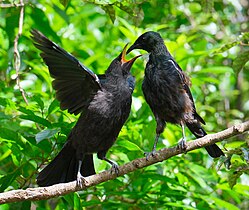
{"points": [[213, 150], [64, 167]]}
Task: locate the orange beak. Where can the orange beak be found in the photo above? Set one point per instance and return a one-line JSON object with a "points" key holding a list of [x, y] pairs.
{"points": [[127, 62]]}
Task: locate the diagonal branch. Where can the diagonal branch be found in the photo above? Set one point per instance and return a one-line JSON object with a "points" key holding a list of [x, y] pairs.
{"points": [[42, 193]]}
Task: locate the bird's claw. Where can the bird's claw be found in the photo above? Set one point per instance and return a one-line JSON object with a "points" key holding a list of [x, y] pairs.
{"points": [[182, 145], [80, 181], [148, 154], [114, 169]]}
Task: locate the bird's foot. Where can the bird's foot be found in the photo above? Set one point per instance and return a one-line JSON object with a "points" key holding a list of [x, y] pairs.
{"points": [[148, 154], [114, 169], [182, 145], [80, 181]]}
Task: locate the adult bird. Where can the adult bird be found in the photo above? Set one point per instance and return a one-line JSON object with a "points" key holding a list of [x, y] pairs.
{"points": [[103, 101], [166, 90]]}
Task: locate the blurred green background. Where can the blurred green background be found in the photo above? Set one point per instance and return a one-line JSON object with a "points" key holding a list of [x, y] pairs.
{"points": [[209, 40]]}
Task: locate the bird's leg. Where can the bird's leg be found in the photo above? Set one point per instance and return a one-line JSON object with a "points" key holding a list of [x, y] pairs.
{"points": [[80, 181], [182, 143], [159, 129], [114, 169], [152, 153]]}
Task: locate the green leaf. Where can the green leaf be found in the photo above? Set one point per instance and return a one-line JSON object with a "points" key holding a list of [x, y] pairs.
{"points": [[207, 5], [236, 171], [195, 7], [8, 134], [110, 11], [217, 70], [6, 180], [25, 110], [4, 116], [77, 202], [5, 155], [224, 204], [36, 119], [178, 205], [69, 199], [46, 134], [25, 205], [128, 145], [53, 107], [39, 101], [240, 61], [64, 2]]}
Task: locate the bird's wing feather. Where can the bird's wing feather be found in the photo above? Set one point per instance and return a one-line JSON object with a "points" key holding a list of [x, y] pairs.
{"points": [[74, 83], [102, 78], [186, 83]]}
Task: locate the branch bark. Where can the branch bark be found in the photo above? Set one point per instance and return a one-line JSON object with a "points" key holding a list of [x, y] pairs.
{"points": [[42, 193]]}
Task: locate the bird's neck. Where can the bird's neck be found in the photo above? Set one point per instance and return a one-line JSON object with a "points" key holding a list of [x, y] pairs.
{"points": [[160, 49], [115, 79]]}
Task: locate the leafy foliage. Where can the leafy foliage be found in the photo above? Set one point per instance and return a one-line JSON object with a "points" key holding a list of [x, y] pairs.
{"points": [[206, 45]]}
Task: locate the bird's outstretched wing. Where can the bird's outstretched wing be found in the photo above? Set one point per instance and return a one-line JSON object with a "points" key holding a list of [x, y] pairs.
{"points": [[74, 83]]}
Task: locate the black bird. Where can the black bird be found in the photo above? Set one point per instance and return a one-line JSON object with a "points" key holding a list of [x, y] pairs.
{"points": [[166, 90], [104, 103]]}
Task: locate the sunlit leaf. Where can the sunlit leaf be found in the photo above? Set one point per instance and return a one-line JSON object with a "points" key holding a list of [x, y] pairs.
{"points": [[217, 70], [64, 2], [240, 61], [224, 204], [129, 145]]}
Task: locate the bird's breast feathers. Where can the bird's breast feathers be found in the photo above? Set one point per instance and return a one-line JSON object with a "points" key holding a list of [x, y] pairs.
{"points": [[105, 103]]}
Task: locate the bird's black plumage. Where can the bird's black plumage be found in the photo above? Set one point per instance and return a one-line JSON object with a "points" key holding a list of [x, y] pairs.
{"points": [[166, 90], [104, 103]]}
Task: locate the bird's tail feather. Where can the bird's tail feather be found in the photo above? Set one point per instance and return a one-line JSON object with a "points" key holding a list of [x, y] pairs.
{"points": [[64, 167], [87, 168], [213, 150]]}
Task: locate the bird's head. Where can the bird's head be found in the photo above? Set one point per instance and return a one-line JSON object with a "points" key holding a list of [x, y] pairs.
{"points": [[120, 64], [146, 41]]}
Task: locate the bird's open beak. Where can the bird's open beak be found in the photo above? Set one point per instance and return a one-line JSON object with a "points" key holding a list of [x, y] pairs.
{"points": [[127, 63], [132, 47]]}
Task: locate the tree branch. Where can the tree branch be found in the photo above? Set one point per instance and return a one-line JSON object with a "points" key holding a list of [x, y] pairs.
{"points": [[42, 193], [11, 5]]}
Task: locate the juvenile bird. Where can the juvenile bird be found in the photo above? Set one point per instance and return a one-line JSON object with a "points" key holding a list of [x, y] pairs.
{"points": [[166, 90], [104, 103]]}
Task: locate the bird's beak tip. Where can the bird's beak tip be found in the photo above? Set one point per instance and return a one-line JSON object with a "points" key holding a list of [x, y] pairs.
{"points": [[124, 53], [130, 49]]}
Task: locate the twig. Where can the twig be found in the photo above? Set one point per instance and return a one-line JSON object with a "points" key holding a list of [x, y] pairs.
{"points": [[17, 59], [11, 5], [42, 193]]}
